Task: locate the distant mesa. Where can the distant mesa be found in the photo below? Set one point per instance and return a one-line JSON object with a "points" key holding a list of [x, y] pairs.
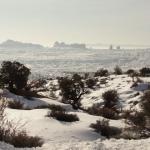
{"points": [[62, 45], [16, 44]]}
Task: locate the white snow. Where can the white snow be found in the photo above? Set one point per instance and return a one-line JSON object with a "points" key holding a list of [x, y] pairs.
{"points": [[77, 135]]}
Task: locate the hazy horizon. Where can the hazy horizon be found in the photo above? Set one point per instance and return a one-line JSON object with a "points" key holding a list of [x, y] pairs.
{"points": [[97, 21]]}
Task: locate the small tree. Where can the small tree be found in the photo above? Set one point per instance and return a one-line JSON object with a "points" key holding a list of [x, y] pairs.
{"points": [[110, 98], [14, 74], [72, 91], [117, 70]]}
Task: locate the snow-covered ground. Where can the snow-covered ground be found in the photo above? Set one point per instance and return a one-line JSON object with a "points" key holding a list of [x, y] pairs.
{"points": [[46, 61], [78, 135]]}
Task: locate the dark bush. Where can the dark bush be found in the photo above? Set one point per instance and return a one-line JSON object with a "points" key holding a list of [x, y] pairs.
{"points": [[105, 112], [110, 98], [21, 140], [104, 129], [145, 72], [118, 70], [71, 91], [51, 107], [101, 73], [103, 81], [63, 116], [14, 75], [86, 75], [15, 104], [38, 83], [130, 71], [145, 103], [91, 83], [56, 107], [76, 77], [137, 119]]}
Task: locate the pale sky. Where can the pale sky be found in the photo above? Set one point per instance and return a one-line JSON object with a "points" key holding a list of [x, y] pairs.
{"points": [[84, 21]]}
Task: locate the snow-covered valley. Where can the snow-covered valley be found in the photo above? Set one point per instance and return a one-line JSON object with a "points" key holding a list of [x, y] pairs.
{"points": [[52, 61]]}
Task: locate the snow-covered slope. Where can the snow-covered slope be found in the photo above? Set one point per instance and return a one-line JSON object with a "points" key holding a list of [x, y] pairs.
{"points": [[78, 135]]}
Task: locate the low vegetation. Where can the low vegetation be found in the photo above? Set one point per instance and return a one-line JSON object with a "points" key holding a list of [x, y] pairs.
{"points": [[15, 104], [11, 133], [91, 82], [145, 103], [102, 127], [63, 116], [101, 73], [110, 98], [72, 90], [103, 111], [118, 70]]}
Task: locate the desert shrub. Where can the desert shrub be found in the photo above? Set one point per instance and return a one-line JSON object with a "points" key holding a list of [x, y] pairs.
{"points": [[110, 98], [102, 127], [76, 77], [130, 71], [101, 73], [145, 103], [14, 75], [105, 112], [38, 83], [137, 119], [109, 113], [134, 133], [118, 70], [130, 133], [63, 116], [15, 104], [103, 81], [22, 139], [10, 132], [91, 83], [125, 113], [86, 75], [56, 107], [145, 72], [133, 74], [71, 91], [51, 107]]}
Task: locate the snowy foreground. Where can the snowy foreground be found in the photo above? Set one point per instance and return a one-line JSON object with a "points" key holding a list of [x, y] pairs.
{"points": [[77, 135]]}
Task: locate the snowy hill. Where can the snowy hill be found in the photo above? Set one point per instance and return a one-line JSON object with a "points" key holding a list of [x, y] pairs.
{"points": [[78, 135]]}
